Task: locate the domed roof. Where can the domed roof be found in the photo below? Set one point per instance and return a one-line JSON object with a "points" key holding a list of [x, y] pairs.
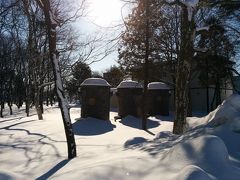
{"points": [[95, 82], [129, 84], [158, 85]]}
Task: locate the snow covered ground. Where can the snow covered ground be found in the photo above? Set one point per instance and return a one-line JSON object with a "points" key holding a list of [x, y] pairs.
{"points": [[36, 149]]}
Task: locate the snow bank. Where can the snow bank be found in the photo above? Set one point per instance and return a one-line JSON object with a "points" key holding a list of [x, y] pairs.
{"points": [[226, 113], [207, 153], [95, 82], [206, 149], [158, 85], [129, 84], [192, 172]]}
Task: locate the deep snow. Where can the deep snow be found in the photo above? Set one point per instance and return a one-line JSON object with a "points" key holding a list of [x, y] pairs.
{"points": [[36, 149]]}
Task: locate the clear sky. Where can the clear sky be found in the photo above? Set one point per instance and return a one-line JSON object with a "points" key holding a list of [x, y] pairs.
{"points": [[102, 14]]}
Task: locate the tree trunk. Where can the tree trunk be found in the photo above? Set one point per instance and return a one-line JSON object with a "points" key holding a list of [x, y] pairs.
{"points": [[52, 100], [189, 114], [1, 111], [27, 101], [218, 92], [47, 98], [183, 72], [213, 99], [47, 95], [51, 30], [10, 107], [41, 100], [146, 64], [207, 88], [36, 103]]}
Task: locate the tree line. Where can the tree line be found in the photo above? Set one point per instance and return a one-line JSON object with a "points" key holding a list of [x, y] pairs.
{"points": [[37, 48]]}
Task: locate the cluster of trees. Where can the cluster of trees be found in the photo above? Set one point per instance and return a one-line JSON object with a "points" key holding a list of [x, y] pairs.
{"points": [[26, 70], [181, 38], [37, 49]]}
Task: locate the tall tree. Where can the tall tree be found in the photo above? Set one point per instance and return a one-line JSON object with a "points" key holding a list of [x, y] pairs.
{"points": [[113, 75], [51, 24], [80, 72], [147, 38]]}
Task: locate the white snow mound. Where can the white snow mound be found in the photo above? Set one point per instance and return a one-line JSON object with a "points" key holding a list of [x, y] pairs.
{"points": [[226, 113], [206, 149], [192, 172]]}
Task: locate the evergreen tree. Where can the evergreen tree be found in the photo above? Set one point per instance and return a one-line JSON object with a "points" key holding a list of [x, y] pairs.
{"points": [[80, 72], [113, 76]]}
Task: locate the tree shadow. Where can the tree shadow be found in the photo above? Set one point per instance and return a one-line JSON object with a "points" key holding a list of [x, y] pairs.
{"points": [[91, 126], [11, 119], [5, 176], [53, 170], [27, 144], [7, 119], [137, 123], [165, 141]]}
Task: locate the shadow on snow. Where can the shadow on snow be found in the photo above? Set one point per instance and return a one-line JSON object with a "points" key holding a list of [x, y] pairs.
{"points": [[27, 144], [91, 126], [53, 170], [137, 122]]}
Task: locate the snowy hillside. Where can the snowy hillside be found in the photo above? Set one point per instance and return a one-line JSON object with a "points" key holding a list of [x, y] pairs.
{"points": [[36, 149]]}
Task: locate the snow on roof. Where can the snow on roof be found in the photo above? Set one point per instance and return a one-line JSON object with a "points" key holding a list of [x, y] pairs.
{"points": [[158, 85], [129, 84], [95, 82]]}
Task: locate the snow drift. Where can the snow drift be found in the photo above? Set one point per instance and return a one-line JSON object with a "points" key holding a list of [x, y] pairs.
{"points": [[209, 149]]}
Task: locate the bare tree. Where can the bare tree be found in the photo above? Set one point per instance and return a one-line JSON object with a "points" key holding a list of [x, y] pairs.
{"points": [[51, 25]]}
